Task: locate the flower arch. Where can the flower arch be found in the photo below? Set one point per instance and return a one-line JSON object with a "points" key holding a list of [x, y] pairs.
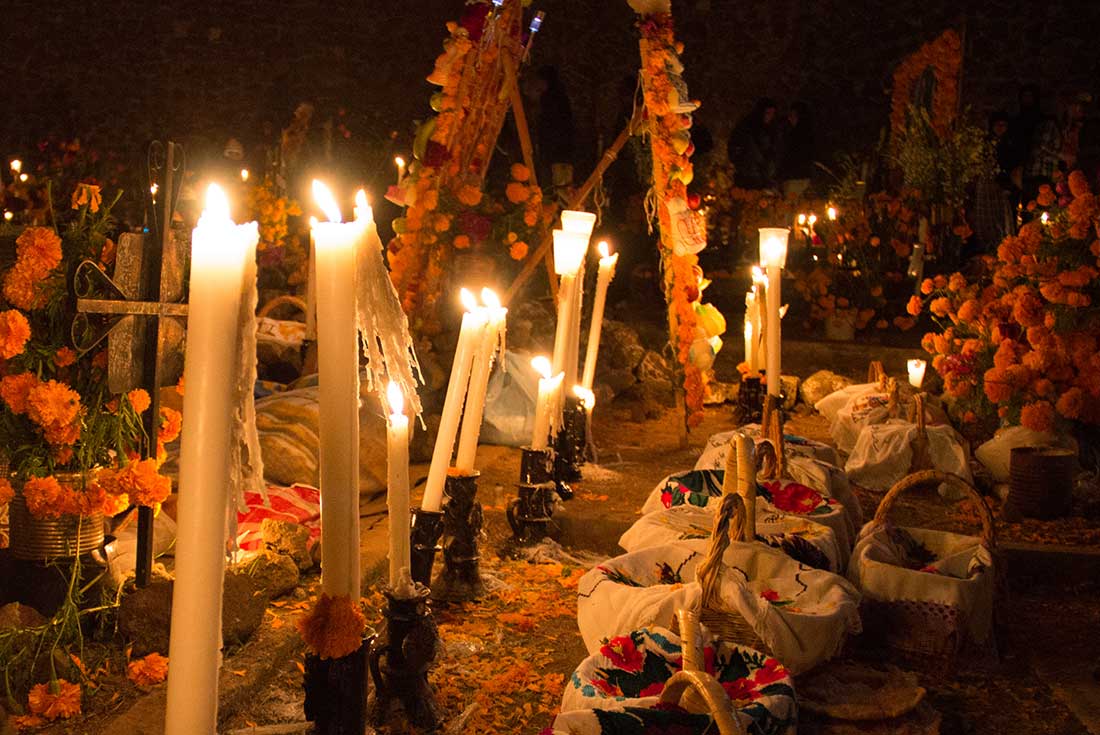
{"points": [[943, 57]]}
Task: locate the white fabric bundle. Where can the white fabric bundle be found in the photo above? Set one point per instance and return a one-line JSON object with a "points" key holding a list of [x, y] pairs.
{"points": [[884, 453], [717, 448]]}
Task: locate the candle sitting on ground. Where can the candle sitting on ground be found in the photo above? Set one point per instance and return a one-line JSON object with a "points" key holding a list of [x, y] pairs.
{"points": [[773, 256], [397, 492], [916, 373], [496, 316], [335, 244], [603, 280], [473, 325], [546, 406], [219, 250]]}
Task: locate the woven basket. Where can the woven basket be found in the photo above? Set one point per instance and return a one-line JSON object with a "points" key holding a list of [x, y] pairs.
{"points": [[695, 683], [45, 539], [927, 633]]}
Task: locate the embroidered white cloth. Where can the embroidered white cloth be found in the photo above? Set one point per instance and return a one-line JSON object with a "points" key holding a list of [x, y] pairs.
{"points": [[884, 452], [803, 615], [717, 448]]}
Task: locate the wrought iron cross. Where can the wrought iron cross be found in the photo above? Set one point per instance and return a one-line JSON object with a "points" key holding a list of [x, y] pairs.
{"points": [[140, 313]]}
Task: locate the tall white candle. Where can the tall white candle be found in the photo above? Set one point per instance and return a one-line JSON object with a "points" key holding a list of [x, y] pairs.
{"points": [[773, 256], [603, 280], [569, 249], [749, 357], [580, 224], [219, 252], [469, 337], [496, 316], [338, 395], [757, 311], [397, 483], [546, 406]]}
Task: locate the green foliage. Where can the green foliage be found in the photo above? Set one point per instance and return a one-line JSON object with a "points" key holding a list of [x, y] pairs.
{"points": [[942, 165]]}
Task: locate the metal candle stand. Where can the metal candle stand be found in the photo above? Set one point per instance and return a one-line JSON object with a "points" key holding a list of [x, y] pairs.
{"points": [[336, 691], [570, 445], [400, 659], [460, 579], [529, 514], [427, 529], [750, 400]]}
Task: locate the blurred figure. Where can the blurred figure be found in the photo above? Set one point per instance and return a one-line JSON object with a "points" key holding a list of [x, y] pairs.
{"points": [[753, 146], [554, 131], [992, 215], [798, 151]]}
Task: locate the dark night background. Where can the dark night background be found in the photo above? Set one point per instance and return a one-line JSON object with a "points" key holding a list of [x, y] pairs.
{"points": [[117, 73]]}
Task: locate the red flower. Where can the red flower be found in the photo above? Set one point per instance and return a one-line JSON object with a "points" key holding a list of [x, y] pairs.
{"points": [[653, 690], [770, 595], [741, 690], [666, 498], [793, 497], [772, 671], [623, 653], [606, 687]]}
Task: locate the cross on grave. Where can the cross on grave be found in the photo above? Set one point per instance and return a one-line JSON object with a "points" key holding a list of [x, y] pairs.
{"points": [[141, 314]]}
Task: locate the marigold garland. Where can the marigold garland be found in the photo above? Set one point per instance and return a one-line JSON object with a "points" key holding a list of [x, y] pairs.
{"points": [[672, 171], [334, 627], [944, 56]]}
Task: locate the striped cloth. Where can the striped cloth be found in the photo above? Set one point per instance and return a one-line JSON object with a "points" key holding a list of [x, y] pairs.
{"points": [[295, 504]]}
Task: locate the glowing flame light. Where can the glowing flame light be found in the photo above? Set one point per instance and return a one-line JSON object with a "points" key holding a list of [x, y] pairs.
{"points": [[469, 301], [395, 398], [16, 165], [603, 249], [489, 298], [362, 207], [831, 213], [542, 366], [399, 162], [217, 203], [588, 398], [323, 196], [244, 174]]}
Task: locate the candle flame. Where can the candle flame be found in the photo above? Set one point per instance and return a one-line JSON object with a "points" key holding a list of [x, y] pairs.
{"points": [[8, 215], [323, 196], [758, 276], [244, 174], [801, 219], [489, 298], [399, 161], [217, 203], [362, 206], [16, 165], [469, 302], [588, 398], [23, 177], [1045, 217], [603, 248], [312, 222], [831, 213], [812, 219], [542, 366], [395, 398], [153, 189]]}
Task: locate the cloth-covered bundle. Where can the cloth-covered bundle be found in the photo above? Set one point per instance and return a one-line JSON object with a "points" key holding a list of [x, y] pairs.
{"points": [[850, 409], [814, 491], [926, 593], [717, 448], [811, 543], [617, 689], [803, 615], [884, 453]]}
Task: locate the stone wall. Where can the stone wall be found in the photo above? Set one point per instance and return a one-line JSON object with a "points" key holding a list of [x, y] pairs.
{"points": [[202, 71]]}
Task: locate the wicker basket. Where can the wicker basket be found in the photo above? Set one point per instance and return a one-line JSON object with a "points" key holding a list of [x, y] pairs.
{"points": [[45, 539], [695, 683], [926, 633]]}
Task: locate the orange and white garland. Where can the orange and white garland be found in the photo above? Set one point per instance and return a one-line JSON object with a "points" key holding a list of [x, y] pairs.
{"points": [[682, 231]]}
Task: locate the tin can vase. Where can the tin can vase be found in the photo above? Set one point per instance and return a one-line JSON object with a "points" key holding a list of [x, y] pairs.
{"points": [[46, 539]]}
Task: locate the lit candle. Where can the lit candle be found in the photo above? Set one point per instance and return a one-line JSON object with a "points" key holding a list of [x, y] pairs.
{"points": [[244, 174], [334, 245], [496, 316], [16, 165], [603, 280], [759, 281], [569, 249], [469, 337], [397, 484], [773, 256], [831, 213], [749, 356], [219, 251], [916, 373], [400, 163], [546, 406]]}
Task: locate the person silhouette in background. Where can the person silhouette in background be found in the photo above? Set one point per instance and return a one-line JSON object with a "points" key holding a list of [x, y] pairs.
{"points": [[554, 130], [753, 146], [796, 161]]}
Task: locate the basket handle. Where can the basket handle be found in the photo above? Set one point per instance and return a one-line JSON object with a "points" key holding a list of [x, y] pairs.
{"points": [[729, 525], [922, 460], [283, 300], [772, 430], [712, 693], [875, 373], [927, 477]]}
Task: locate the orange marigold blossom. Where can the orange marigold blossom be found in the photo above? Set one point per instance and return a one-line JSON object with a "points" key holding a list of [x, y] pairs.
{"points": [[38, 249], [7, 492], [914, 306], [64, 357], [171, 421], [15, 389], [139, 400], [334, 627], [22, 288], [941, 307], [461, 242], [996, 385], [1038, 416], [87, 194], [45, 497], [52, 404], [147, 671], [1071, 403], [57, 699], [15, 330], [516, 192], [519, 172], [518, 250]]}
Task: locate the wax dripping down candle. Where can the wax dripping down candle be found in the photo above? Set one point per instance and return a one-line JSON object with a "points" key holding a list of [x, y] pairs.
{"points": [[335, 244], [397, 490], [603, 280], [219, 253], [474, 323], [492, 337], [773, 256]]}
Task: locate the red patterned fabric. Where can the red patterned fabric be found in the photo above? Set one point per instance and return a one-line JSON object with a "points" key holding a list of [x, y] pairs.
{"points": [[296, 504]]}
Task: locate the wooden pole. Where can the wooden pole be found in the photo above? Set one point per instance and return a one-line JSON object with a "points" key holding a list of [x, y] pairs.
{"points": [[578, 200]]}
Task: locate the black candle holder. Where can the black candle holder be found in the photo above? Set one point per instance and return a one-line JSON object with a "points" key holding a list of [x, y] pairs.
{"points": [[460, 579], [400, 660], [530, 513], [336, 691], [750, 400], [426, 530], [570, 444]]}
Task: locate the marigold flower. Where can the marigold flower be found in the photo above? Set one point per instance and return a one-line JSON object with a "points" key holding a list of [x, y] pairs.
{"points": [[926, 286], [53, 405], [1038, 416], [969, 311], [140, 480], [996, 385], [914, 306], [14, 333], [7, 492], [171, 421], [957, 282], [38, 249], [518, 250], [14, 389], [87, 194], [941, 307], [64, 357], [139, 400], [153, 669], [45, 498], [469, 195], [461, 242], [1046, 196], [516, 192], [334, 627], [1005, 355], [21, 288], [1043, 387], [1078, 184], [1071, 402], [58, 699]]}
